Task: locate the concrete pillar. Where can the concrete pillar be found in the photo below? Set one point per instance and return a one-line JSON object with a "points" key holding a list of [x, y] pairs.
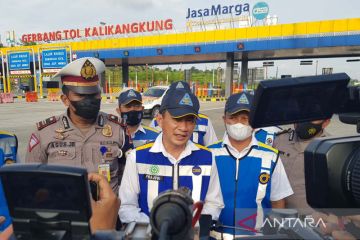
{"points": [[244, 68], [229, 74], [125, 71]]}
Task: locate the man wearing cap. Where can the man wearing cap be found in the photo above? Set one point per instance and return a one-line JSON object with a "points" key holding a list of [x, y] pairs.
{"points": [[130, 110], [82, 136], [172, 161], [204, 132], [252, 176]]}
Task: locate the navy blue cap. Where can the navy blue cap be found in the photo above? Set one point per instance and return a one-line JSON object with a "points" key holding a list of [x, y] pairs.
{"points": [[129, 96], [239, 102], [180, 103], [181, 85]]}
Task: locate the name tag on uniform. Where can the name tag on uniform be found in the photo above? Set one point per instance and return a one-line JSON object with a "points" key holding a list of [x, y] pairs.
{"points": [[153, 177], [104, 169]]}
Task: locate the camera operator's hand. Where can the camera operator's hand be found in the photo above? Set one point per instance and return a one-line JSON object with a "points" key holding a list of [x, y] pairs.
{"points": [[104, 211], [334, 225], [343, 234]]}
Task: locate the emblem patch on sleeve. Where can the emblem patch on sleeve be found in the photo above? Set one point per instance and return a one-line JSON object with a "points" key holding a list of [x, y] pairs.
{"points": [[34, 141]]}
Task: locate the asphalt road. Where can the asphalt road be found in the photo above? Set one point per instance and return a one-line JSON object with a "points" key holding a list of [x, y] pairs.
{"points": [[20, 118]]}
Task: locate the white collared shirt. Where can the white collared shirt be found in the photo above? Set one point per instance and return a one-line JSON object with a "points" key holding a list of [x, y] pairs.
{"points": [[140, 128], [280, 185], [130, 189]]}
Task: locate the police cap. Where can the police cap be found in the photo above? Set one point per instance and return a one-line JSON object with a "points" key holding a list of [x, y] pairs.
{"points": [[82, 75]]}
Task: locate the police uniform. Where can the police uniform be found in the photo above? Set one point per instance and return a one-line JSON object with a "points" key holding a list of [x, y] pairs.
{"points": [[57, 140], [203, 134], [250, 179], [150, 169], [8, 155], [292, 149]]}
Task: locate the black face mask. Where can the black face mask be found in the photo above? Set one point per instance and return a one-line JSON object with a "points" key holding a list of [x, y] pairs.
{"points": [[87, 108], [132, 118], [308, 130]]}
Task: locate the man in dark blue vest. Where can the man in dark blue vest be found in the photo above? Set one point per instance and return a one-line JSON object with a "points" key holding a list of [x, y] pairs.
{"points": [[171, 162]]}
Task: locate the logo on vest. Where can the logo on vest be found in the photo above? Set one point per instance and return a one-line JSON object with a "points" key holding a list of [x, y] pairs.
{"points": [[196, 170], [154, 170], [269, 141], [264, 178]]}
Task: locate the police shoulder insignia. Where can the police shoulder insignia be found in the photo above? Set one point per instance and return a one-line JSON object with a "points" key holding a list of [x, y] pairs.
{"points": [[264, 178], [115, 119], [46, 122], [88, 70], [283, 131]]}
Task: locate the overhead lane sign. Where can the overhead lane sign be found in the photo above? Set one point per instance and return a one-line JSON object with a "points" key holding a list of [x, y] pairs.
{"points": [[53, 59], [19, 62]]}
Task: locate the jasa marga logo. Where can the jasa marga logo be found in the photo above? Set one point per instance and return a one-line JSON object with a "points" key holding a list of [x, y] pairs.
{"points": [[218, 9]]}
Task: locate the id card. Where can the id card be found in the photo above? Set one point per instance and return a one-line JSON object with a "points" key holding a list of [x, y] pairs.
{"points": [[104, 169]]}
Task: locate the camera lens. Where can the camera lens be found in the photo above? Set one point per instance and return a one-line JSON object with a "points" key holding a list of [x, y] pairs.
{"points": [[352, 176]]}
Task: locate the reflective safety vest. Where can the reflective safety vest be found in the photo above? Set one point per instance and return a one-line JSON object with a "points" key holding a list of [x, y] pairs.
{"points": [[267, 135], [158, 174], [8, 152], [200, 129], [8, 147], [245, 185], [142, 138]]}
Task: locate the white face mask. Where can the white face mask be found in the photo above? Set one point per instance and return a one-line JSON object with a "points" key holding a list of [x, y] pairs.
{"points": [[239, 131]]}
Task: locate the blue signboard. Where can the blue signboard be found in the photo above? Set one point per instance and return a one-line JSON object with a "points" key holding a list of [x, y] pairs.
{"points": [[19, 61], [54, 58], [260, 10]]}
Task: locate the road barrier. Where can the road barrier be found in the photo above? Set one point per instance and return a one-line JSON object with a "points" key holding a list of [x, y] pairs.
{"points": [[31, 97], [6, 97]]}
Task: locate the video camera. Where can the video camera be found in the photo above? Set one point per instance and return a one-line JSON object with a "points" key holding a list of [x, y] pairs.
{"points": [[53, 203], [332, 166]]}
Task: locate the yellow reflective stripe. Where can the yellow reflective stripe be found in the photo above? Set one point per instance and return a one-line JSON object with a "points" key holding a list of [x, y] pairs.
{"points": [[203, 116], [268, 147], [202, 147], [149, 145], [7, 133], [150, 129]]}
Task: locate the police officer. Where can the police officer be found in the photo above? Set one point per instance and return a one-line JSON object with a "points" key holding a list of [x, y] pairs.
{"points": [[204, 132], [82, 136], [130, 110], [251, 173], [292, 144], [172, 161]]}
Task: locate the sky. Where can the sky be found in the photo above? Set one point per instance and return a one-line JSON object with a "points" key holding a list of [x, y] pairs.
{"points": [[32, 16]]}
